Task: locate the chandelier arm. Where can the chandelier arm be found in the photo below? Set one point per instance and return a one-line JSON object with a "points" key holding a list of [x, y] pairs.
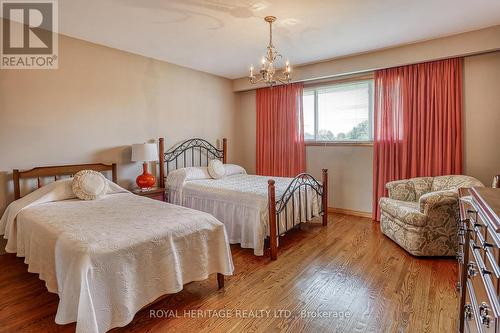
{"points": [[282, 80], [255, 81]]}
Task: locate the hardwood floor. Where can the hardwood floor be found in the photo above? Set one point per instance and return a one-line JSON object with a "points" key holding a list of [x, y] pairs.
{"points": [[348, 272]]}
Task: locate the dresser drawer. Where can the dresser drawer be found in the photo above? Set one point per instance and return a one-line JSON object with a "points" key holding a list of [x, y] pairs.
{"points": [[471, 317], [481, 293], [490, 253], [477, 219], [478, 314]]}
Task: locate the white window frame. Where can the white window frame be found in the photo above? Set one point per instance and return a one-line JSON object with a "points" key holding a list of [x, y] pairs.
{"points": [[315, 87]]}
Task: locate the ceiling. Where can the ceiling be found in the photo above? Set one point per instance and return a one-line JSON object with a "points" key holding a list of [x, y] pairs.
{"points": [[224, 37]]}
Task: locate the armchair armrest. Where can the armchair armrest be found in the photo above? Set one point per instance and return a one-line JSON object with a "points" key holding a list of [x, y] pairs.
{"points": [[403, 190], [434, 200]]}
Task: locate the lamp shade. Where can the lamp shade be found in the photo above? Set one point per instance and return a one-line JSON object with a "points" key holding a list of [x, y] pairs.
{"points": [[144, 152]]}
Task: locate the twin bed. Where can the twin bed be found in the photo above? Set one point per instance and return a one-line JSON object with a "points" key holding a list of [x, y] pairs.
{"points": [[109, 258], [256, 210]]}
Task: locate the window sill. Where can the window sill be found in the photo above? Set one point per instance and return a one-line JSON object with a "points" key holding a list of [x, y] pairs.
{"points": [[339, 143]]}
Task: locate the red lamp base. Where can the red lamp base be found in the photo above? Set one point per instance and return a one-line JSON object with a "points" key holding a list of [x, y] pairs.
{"points": [[146, 180]]}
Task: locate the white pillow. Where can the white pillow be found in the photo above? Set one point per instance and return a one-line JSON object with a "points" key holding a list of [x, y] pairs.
{"points": [[234, 169], [194, 173], [89, 185], [216, 169], [178, 177]]}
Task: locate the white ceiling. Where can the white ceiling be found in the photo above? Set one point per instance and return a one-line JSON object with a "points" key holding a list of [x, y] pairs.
{"points": [[224, 37]]}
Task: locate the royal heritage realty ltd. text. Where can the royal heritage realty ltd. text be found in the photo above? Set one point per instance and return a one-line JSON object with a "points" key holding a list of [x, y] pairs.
{"points": [[244, 313]]}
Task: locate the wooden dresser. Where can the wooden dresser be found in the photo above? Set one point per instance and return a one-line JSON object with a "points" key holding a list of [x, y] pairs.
{"points": [[479, 260]]}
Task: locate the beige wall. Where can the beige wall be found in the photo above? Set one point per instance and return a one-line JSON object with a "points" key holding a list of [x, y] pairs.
{"points": [[482, 116], [350, 168], [349, 174], [245, 131], [98, 103]]}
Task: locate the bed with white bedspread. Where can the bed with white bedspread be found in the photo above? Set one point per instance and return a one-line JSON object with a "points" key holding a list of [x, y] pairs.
{"points": [[108, 258], [240, 202], [253, 208]]}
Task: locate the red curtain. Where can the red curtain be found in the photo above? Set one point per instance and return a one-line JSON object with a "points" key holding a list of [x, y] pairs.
{"points": [[280, 131], [418, 123]]}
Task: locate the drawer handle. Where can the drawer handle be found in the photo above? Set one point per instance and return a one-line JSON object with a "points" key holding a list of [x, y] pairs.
{"points": [[486, 277], [468, 311], [475, 307], [484, 312], [486, 245], [471, 269]]}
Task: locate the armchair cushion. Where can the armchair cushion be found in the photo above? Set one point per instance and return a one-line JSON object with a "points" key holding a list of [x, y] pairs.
{"points": [[432, 200], [409, 189], [453, 182], [401, 190], [422, 186], [406, 211]]}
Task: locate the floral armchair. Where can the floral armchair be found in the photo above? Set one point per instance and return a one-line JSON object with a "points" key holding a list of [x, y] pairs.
{"points": [[420, 213]]}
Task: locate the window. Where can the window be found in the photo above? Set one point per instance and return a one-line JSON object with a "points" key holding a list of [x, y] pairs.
{"points": [[341, 112]]}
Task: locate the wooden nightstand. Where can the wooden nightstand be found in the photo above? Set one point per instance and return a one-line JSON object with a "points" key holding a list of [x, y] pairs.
{"points": [[155, 193]]}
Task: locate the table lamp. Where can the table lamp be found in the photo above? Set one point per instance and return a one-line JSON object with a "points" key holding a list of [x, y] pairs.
{"points": [[145, 152]]}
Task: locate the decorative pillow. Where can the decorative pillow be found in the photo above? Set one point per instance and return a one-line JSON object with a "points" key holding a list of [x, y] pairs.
{"points": [[89, 185], [195, 173], [234, 169], [177, 178], [216, 169]]}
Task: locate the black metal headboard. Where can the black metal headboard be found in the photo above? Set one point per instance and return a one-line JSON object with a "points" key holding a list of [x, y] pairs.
{"points": [[193, 152]]}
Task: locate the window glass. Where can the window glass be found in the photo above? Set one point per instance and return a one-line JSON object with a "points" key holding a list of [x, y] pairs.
{"points": [[308, 109], [339, 112]]}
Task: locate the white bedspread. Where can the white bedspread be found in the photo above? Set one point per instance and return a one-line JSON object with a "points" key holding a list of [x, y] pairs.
{"points": [[240, 202], [108, 258]]}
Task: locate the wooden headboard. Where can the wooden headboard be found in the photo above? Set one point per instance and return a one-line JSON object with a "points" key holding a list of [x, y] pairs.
{"points": [[191, 152], [57, 171]]}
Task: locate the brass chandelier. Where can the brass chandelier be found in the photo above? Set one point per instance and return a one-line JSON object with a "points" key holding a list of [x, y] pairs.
{"points": [[267, 71]]}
